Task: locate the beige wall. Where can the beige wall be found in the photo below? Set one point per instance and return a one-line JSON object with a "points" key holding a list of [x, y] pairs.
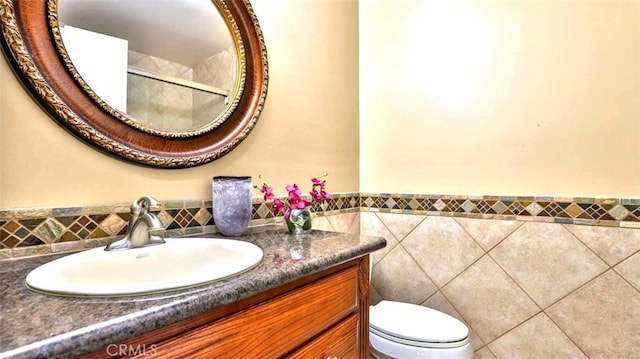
{"points": [[484, 97], [309, 124], [500, 97]]}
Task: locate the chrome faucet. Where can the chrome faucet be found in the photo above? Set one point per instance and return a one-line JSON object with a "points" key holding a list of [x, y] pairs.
{"points": [[144, 227]]}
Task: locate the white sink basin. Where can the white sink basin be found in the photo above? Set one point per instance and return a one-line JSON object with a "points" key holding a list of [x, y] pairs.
{"points": [[179, 263]]}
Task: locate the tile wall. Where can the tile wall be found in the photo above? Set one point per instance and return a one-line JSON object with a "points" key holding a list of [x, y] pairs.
{"points": [[148, 98], [526, 289], [533, 277], [218, 70]]}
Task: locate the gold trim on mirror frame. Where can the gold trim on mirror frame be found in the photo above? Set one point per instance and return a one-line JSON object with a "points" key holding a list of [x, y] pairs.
{"points": [[22, 45], [54, 23]]}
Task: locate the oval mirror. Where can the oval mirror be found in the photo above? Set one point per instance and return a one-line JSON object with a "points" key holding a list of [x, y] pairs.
{"points": [[154, 101]]}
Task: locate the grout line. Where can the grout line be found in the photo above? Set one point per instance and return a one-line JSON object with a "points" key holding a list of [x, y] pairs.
{"points": [[570, 293], [564, 226], [423, 271], [393, 234], [565, 334], [515, 327], [464, 319], [514, 281], [622, 276]]}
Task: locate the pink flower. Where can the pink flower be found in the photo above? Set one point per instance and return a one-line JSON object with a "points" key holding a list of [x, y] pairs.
{"points": [[267, 191], [298, 205], [319, 197], [278, 206], [293, 190], [294, 198], [322, 196]]}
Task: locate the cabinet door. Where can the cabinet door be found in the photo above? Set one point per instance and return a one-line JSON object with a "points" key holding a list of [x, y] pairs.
{"points": [[339, 342], [273, 328]]}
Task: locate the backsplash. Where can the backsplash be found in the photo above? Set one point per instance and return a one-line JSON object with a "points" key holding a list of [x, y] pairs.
{"points": [[33, 231]]}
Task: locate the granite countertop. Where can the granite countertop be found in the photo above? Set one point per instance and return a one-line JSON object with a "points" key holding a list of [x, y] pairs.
{"points": [[39, 325]]}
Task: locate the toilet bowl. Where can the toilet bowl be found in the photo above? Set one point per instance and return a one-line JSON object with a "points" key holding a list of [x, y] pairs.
{"points": [[404, 331]]}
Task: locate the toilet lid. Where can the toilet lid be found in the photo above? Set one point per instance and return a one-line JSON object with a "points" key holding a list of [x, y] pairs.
{"points": [[407, 323]]}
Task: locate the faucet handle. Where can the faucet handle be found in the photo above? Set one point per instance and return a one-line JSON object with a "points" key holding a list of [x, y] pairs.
{"points": [[142, 205]]}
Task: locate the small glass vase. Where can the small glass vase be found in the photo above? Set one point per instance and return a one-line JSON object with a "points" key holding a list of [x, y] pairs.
{"points": [[298, 221], [232, 204]]}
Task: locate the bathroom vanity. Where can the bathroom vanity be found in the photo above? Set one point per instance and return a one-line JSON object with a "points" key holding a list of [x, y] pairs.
{"points": [[307, 298], [318, 316]]}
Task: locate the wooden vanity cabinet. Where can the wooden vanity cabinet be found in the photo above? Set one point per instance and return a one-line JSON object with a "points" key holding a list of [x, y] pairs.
{"points": [[324, 315]]}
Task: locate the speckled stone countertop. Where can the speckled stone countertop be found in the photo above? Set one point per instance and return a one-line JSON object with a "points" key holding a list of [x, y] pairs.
{"points": [[35, 325]]}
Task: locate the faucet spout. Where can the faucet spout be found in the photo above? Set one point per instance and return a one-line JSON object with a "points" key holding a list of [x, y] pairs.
{"points": [[144, 227]]}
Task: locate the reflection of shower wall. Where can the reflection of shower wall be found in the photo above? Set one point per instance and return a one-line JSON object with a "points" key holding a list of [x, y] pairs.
{"points": [[155, 103], [219, 71]]}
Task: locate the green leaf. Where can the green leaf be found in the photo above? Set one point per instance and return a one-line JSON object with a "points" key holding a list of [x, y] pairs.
{"points": [[307, 225], [290, 226]]}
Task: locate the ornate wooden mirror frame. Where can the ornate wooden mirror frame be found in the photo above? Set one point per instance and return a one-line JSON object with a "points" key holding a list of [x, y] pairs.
{"points": [[30, 39]]}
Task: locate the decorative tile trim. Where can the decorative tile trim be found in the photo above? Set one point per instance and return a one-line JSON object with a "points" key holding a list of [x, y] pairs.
{"points": [[32, 231], [586, 211]]}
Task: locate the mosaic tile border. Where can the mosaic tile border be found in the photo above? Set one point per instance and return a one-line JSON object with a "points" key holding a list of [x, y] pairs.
{"points": [[586, 211], [33, 231]]}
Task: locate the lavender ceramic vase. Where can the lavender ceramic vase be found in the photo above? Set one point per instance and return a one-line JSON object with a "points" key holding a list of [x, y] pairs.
{"points": [[232, 204]]}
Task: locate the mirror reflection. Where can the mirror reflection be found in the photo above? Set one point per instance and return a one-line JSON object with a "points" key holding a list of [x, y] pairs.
{"points": [[170, 65]]}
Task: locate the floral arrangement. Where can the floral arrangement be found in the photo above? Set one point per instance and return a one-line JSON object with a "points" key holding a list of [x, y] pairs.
{"points": [[294, 199]]}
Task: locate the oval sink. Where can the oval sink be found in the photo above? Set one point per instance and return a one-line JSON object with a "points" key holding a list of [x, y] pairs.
{"points": [[179, 263]]}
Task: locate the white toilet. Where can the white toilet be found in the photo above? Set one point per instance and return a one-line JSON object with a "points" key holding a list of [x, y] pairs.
{"points": [[406, 331]]}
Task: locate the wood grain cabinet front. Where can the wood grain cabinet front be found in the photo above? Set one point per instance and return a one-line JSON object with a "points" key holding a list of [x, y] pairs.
{"points": [[323, 316], [340, 341]]}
